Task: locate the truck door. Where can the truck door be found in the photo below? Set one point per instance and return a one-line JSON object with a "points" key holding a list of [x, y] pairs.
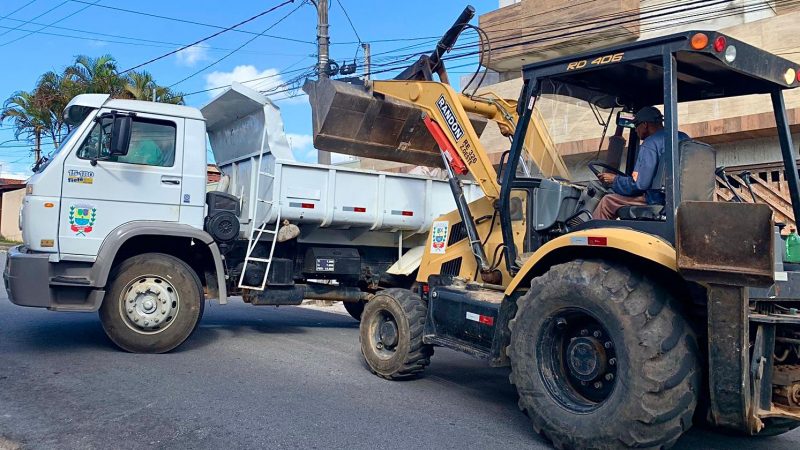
{"points": [[145, 184]]}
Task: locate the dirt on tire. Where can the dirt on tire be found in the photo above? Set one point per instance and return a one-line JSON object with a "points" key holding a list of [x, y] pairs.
{"points": [[654, 398]]}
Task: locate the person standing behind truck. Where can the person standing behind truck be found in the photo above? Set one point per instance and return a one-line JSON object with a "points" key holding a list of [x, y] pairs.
{"points": [[637, 189]]}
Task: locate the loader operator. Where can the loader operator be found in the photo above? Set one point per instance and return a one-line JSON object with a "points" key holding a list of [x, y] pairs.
{"points": [[638, 189]]}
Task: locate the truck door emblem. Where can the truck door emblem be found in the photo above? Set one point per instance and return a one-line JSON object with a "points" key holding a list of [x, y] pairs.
{"points": [[82, 219], [439, 237], [80, 176], [187, 198]]}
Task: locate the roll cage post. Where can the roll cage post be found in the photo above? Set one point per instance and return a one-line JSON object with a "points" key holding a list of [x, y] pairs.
{"points": [[510, 181]]}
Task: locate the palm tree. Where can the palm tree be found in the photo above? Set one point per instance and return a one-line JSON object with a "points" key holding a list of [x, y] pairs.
{"points": [[29, 118], [97, 75], [53, 92], [38, 113], [140, 86]]}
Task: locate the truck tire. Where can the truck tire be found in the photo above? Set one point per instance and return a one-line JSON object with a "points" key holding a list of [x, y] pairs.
{"points": [[391, 334], [154, 303], [355, 309], [601, 358]]}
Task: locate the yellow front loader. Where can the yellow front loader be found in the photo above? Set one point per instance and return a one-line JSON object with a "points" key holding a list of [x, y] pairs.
{"points": [[619, 333]]}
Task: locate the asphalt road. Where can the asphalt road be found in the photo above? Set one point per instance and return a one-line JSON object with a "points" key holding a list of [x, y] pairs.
{"points": [[253, 377]]}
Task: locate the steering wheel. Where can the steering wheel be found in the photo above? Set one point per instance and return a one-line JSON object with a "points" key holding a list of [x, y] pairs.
{"points": [[593, 166]]}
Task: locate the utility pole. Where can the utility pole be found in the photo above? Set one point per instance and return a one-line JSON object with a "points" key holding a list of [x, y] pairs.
{"points": [[38, 150], [367, 61], [323, 44], [323, 40]]}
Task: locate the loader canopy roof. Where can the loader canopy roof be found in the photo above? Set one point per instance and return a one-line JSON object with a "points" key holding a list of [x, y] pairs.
{"points": [[709, 65]]}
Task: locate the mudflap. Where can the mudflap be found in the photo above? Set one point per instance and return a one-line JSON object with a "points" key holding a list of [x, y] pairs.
{"points": [[729, 248]]}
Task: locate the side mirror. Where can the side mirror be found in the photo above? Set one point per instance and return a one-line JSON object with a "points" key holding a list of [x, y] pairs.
{"points": [[625, 119], [120, 135]]}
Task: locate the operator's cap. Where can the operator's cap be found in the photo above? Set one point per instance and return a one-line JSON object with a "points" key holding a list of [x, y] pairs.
{"points": [[648, 114]]}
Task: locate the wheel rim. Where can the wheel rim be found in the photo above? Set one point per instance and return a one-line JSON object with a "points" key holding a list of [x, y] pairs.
{"points": [[384, 334], [577, 360], [148, 304]]}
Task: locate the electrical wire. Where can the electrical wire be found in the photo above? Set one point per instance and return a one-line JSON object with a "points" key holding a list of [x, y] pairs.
{"points": [[139, 41], [48, 25], [208, 37], [191, 22], [217, 61], [17, 10], [40, 15]]}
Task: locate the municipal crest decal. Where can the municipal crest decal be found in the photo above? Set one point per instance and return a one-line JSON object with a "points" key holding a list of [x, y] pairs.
{"points": [[82, 219], [439, 237]]}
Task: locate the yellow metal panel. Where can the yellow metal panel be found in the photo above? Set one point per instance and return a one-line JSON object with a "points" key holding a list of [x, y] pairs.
{"points": [[636, 243]]}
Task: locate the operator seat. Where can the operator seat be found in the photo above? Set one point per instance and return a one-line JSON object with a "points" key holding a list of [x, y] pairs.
{"points": [[698, 161]]}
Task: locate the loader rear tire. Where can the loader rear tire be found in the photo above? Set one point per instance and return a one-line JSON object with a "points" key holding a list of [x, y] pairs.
{"points": [[602, 359], [391, 334], [154, 302]]}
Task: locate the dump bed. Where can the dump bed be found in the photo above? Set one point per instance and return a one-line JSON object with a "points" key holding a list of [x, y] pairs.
{"points": [[243, 125]]}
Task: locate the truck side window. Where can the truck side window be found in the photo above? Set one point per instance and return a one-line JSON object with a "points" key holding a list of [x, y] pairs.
{"points": [[152, 143]]}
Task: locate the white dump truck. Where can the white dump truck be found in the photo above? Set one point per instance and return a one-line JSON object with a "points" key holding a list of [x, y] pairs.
{"points": [[121, 220]]}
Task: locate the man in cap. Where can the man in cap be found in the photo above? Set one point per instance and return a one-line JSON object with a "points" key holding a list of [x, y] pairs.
{"points": [[637, 189]]}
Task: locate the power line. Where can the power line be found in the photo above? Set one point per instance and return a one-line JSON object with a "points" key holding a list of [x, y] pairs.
{"points": [[209, 37], [249, 81], [349, 21], [141, 42], [48, 25], [17, 10], [40, 15], [192, 22], [245, 43]]}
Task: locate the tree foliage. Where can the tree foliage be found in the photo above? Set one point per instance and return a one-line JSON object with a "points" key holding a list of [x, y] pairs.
{"points": [[38, 113]]}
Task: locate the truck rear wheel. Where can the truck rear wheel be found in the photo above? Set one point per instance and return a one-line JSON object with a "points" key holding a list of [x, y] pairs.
{"points": [[601, 358], [391, 334], [154, 303]]}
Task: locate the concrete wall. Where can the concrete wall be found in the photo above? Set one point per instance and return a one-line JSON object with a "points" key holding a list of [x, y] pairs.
{"points": [[9, 222]]}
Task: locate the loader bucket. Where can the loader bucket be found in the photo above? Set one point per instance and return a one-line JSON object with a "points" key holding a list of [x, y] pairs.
{"points": [[348, 119]]}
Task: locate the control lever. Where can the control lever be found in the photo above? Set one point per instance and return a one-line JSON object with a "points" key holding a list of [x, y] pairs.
{"points": [[720, 172], [746, 177]]}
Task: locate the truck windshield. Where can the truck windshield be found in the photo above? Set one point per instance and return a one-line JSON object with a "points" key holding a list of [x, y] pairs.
{"points": [[45, 160]]}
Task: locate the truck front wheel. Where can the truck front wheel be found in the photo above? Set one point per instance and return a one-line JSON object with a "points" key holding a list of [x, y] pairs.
{"points": [[602, 358], [153, 304]]}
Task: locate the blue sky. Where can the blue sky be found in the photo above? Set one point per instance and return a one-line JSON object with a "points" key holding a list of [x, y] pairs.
{"points": [[48, 34]]}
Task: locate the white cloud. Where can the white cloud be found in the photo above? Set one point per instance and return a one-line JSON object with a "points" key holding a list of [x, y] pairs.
{"points": [[262, 80], [302, 146], [192, 55]]}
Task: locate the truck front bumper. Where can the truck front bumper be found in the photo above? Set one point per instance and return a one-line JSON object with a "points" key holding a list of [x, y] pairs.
{"points": [[25, 276], [29, 280]]}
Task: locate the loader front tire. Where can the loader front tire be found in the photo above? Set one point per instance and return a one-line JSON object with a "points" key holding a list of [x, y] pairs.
{"points": [[154, 302], [391, 334], [601, 358]]}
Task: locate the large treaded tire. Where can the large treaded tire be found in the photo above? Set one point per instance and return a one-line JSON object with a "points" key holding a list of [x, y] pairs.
{"points": [[190, 303], [409, 356], [658, 377]]}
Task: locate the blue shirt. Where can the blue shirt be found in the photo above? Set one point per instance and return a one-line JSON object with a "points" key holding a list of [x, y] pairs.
{"points": [[651, 151]]}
